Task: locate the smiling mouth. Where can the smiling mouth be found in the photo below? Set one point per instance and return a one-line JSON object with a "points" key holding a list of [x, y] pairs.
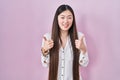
{"points": [[66, 26]]}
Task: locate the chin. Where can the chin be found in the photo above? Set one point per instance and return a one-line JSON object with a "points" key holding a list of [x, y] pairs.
{"points": [[65, 29]]}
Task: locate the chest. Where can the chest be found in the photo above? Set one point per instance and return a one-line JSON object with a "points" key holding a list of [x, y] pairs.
{"points": [[64, 42]]}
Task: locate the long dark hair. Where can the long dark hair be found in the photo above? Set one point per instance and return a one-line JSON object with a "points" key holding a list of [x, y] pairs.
{"points": [[54, 52]]}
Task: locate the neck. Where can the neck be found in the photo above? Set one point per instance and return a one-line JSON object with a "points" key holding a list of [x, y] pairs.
{"points": [[64, 34]]}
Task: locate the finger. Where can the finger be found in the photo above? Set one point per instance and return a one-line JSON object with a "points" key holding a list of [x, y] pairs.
{"points": [[77, 47], [76, 41], [50, 41], [51, 45], [44, 38], [81, 38]]}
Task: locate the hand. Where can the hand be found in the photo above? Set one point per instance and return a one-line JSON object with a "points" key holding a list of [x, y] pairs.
{"points": [[79, 44], [48, 44]]}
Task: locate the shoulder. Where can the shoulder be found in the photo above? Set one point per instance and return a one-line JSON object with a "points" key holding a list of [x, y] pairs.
{"points": [[47, 35]]}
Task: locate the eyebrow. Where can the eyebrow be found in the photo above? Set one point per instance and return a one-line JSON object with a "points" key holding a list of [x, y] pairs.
{"points": [[64, 15]]}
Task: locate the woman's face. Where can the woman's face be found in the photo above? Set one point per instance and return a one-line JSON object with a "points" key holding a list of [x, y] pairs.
{"points": [[65, 20]]}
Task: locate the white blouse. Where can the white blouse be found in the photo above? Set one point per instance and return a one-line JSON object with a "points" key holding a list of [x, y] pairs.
{"points": [[65, 65]]}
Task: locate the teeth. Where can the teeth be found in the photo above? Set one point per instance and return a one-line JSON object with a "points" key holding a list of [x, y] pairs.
{"points": [[65, 25]]}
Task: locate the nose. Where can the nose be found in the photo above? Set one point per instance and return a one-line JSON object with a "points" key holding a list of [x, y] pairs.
{"points": [[66, 20]]}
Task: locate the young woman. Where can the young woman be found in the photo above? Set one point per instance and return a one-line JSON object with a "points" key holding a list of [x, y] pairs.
{"points": [[64, 49]]}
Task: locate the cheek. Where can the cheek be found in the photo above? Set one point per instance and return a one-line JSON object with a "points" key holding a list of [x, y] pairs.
{"points": [[71, 22], [60, 22]]}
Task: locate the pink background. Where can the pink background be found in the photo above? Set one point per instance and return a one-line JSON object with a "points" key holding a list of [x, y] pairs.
{"points": [[23, 23]]}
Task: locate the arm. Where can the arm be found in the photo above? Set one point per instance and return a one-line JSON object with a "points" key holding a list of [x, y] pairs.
{"points": [[45, 60], [83, 58], [45, 57]]}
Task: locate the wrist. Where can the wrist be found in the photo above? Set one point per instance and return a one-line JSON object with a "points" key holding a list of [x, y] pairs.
{"points": [[83, 51], [44, 51]]}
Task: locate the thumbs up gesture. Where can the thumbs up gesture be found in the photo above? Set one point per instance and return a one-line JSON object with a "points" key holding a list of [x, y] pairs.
{"points": [[79, 44], [48, 44]]}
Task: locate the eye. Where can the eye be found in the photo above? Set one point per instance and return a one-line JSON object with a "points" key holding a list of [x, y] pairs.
{"points": [[62, 17], [69, 17]]}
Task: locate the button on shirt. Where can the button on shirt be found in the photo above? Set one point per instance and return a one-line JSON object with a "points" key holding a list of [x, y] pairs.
{"points": [[65, 65]]}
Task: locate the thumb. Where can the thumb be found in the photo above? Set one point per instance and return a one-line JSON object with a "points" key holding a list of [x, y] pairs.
{"points": [[81, 38], [44, 38]]}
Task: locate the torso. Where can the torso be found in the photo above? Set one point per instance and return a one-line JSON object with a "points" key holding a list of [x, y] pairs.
{"points": [[64, 41]]}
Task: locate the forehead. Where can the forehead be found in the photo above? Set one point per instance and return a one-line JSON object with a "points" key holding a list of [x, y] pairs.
{"points": [[66, 13]]}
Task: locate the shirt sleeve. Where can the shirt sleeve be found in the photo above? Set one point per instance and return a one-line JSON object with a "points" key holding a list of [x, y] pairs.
{"points": [[45, 59], [83, 57]]}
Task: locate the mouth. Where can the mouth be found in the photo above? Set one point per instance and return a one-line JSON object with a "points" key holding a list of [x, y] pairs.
{"points": [[66, 26]]}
